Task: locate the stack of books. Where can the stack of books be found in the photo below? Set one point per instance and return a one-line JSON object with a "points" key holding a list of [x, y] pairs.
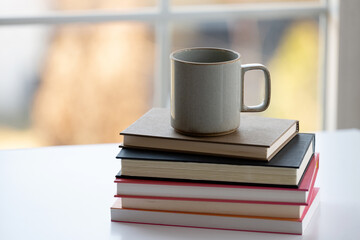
{"points": [[259, 178]]}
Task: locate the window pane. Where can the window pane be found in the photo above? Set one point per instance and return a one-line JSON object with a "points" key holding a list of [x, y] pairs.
{"points": [[9, 7], [202, 2], [74, 84], [288, 47]]}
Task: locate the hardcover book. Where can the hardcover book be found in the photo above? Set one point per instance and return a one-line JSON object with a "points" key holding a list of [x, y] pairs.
{"points": [[286, 168], [128, 187], [256, 138], [216, 206], [217, 221]]}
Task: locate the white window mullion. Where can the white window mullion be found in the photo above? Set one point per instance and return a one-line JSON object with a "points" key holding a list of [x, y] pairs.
{"points": [[332, 67], [251, 10], [163, 46], [323, 61], [202, 12], [143, 14]]}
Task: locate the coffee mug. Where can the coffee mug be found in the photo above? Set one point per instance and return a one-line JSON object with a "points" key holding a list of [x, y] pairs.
{"points": [[207, 91]]}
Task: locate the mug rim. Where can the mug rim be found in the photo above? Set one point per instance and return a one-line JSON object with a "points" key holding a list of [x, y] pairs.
{"points": [[172, 56]]}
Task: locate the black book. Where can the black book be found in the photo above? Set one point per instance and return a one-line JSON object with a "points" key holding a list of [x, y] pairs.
{"points": [[286, 167]]}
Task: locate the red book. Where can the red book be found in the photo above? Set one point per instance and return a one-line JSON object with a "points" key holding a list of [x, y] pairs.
{"points": [[217, 221], [141, 188]]}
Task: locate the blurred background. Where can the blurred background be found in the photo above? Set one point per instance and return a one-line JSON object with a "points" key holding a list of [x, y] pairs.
{"points": [[84, 83]]}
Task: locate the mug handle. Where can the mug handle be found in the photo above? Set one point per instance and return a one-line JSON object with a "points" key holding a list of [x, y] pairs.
{"points": [[265, 104]]}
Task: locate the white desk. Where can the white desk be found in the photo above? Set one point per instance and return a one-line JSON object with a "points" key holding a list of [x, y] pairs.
{"points": [[66, 193]]}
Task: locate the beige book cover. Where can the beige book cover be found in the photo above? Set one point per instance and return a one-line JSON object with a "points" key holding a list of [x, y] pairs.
{"points": [[257, 137]]}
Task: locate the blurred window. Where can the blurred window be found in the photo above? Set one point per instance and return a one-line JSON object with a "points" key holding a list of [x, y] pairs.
{"points": [[91, 68]]}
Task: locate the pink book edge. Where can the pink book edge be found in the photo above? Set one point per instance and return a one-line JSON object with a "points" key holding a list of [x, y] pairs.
{"points": [[226, 229], [316, 190], [225, 200], [212, 200]]}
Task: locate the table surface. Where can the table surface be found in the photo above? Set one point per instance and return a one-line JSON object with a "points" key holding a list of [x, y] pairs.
{"points": [[66, 192]]}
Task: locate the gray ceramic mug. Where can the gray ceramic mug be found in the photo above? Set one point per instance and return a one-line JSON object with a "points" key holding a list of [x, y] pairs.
{"points": [[207, 91]]}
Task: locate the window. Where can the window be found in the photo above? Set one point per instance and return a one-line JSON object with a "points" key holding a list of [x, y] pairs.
{"points": [[83, 72]]}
